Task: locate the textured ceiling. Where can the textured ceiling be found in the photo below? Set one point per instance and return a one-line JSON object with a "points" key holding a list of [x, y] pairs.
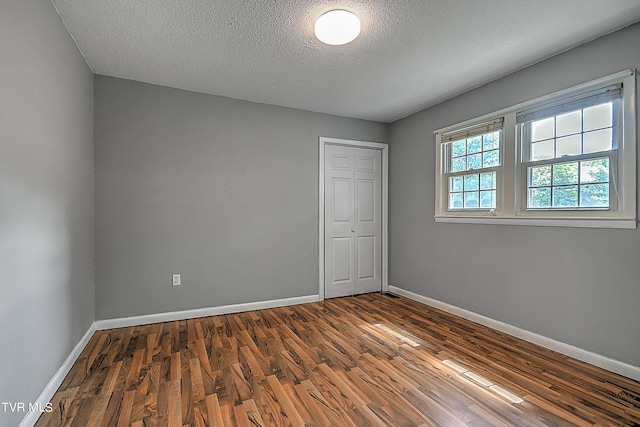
{"points": [[409, 55]]}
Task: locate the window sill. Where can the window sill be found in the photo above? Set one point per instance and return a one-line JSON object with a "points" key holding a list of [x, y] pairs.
{"points": [[628, 224]]}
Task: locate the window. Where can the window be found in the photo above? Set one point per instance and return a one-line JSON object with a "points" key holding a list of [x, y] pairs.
{"points": [[572, 161], [475, 150], [568, 152]]}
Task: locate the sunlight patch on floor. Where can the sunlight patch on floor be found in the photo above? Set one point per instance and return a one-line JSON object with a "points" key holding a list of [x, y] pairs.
{"points": [[477, 379], [398, 335]]}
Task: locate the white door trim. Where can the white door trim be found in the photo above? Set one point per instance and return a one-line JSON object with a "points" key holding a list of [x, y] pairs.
{"points": [[384, 148]]}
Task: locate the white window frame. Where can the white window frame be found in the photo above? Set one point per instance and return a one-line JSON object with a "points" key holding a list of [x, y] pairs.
{"points": [[477, 130], [511, 188]]}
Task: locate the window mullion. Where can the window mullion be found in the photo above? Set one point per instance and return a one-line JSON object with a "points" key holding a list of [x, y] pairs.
{"points": [[505, 183], [569, 159], [580, 183], [472, 171]]}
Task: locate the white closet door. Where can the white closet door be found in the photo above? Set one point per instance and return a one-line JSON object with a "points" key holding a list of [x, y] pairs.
{"points": [[353, 220]]}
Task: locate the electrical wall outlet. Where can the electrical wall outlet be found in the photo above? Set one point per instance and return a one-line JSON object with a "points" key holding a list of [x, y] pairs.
{"points": [[176, 280]]}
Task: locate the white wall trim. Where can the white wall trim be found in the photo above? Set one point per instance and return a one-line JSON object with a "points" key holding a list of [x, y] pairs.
{"points": [[628, 224], [47, 394], [146, 319], [52, 387], [384, 148], [622, 368]]}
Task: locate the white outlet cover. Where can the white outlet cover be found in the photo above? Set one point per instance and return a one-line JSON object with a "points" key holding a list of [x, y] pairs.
{"points": [[176, 280]]}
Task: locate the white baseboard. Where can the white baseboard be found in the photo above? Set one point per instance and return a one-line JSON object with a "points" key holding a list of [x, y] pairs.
{"points": [[201, 312], [604, 362], [625, 369], [47, 394]]}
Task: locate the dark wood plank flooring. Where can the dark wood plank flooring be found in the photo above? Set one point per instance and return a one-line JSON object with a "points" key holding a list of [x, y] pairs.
{"points": [[369, 360]]}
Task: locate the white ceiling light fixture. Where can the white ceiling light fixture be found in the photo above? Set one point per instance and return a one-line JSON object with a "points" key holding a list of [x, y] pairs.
{"points": [[337, 27]]}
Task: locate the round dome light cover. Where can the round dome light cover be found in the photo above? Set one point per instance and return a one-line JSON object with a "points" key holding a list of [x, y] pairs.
{"points": [[337, 27]]}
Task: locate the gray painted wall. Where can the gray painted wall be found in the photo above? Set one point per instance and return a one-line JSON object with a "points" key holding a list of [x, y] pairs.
{"points": [[46, 199], [224, 192], [578, 286]]}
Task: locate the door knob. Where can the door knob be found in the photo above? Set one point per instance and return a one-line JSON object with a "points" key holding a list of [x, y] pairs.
{"points": [[353, 230]]}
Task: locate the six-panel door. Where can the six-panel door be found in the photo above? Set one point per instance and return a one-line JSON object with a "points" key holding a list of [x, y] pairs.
{"points": [[353, 220]]}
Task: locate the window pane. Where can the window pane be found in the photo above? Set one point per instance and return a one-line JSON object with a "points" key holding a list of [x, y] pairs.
{"points": [[542, 129], [474, 161], [565, 173], [490, 141], [556, 186], [459, 164], [594, 195], [565, 197], [488, 181], [599, 140], [471, 200], [594, 170], [540, 197], [464, 191], [567, 124], [491, 158], [599, 116], [459, 148], [488, 199], [471, 182], [455, 201], [540, 176], [456, 183], [542, 150], [474, 144], [568, 146]]}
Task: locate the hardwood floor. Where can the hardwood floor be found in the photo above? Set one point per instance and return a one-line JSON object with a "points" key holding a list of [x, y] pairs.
{"points": [[369, 360]]}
